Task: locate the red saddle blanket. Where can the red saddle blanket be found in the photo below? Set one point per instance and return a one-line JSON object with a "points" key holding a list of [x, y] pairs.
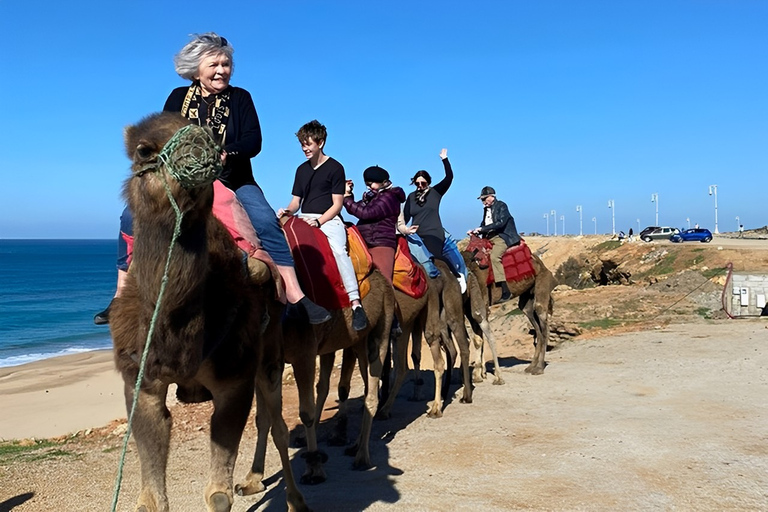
{"points": [[518, 263], [408, 277], [316, 266]]}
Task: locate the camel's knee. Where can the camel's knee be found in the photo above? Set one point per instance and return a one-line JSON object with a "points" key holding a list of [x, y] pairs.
{"points": [[306, 419]]}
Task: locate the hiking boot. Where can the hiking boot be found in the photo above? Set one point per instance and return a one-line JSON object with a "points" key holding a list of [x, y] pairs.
{"points": [[315, 314], [359, 318], [102, 317]]}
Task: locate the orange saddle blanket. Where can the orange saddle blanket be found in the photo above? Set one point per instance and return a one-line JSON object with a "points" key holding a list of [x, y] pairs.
{"points": [[518, 263], [316, 266], [408, 277]]}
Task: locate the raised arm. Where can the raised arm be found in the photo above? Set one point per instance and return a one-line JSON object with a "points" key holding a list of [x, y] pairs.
{"points": [[445, 184]]}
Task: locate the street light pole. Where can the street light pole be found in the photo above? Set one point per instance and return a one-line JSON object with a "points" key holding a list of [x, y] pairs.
{"points": [[688, 220], [578, 209], [553, 214], [594, 219], [738, 222], [546, 216], [713, 192], [638, 226], [562, 218], [612, 205], [655, 199]]}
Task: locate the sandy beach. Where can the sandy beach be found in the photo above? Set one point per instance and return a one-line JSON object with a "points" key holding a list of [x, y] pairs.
{"points": [[60, 395]]}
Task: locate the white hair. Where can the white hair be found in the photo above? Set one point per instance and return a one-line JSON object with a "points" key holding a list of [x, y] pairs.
{"points": [[187, 61]]}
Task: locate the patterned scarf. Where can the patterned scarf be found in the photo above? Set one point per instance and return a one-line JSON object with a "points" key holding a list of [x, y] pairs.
{"points": [[217, 115], [421, 196]]}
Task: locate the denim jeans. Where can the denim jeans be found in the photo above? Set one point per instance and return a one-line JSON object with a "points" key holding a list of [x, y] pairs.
{"points": [[265, 223], [262, 217], [126, 226]]}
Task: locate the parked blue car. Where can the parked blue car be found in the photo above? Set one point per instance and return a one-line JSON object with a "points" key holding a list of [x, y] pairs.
{"points": [[693, 235]]}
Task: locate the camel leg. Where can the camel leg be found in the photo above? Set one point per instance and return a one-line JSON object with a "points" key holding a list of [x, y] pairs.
{"points": [[401, 369], [476, 353], [304, 373], [485, 327], [152, 432], [323, 384], [527, 306], [541, 313], [435, 409], [270, 390], [373, 376], [338, 436], [253, 480], [232, 403], [418, 380], [454, 316]]}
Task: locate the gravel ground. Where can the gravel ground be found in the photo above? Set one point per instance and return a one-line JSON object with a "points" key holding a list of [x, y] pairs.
{"points": [[668, 419]]}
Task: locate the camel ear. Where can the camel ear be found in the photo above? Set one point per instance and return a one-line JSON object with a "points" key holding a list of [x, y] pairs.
{"points": [[128, 132]]}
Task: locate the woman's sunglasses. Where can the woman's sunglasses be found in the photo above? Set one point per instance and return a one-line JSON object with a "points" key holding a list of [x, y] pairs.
{"points": [[420, 183]]}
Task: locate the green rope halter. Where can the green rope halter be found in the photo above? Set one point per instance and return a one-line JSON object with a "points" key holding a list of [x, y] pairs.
{"points": [[192, 157]]}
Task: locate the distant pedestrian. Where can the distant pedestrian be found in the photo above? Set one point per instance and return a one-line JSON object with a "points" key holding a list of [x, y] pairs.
{"points": [[741, 230], [630, 234]]}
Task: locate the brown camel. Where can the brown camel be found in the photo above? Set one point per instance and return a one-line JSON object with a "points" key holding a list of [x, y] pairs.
{"points": [[218, 332], [476, 310], [534, 300], [436, 316], [303, 343]]}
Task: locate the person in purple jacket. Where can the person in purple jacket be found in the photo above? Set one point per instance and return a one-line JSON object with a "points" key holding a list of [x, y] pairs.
{"points": [[378, 211]]}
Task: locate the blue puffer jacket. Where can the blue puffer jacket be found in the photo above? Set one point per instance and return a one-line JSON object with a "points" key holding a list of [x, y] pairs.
{"points": [[378, 216]]}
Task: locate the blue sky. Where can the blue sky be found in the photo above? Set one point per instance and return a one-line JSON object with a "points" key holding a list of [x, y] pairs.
{"points": [[553, 103]]}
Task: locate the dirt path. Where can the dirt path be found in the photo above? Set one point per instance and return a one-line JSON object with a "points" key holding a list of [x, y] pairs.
{"points": [[672, 419]]}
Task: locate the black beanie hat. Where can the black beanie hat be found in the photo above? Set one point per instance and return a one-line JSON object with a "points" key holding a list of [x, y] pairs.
{"points": [[375, 174]]}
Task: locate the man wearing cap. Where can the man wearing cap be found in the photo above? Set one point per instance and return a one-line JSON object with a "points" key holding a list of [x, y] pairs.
{"points": [[498, 226]]}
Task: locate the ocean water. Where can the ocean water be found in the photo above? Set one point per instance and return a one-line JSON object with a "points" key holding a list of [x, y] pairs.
{"points": [[49, 292]]}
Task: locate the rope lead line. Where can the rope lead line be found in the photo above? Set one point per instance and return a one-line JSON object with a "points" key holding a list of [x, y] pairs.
{"points": [[140, 376]]}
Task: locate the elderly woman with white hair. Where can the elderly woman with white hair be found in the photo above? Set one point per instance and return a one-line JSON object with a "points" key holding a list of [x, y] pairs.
{"points": [[209, 100]]}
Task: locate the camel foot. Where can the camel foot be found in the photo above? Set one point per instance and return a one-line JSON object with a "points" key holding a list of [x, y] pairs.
{"points": [[314, 473], [498, 381], [477, 376], [251, 485], [534, 370], [434, 410], [362, 464], [219, 502], [296, 502]]}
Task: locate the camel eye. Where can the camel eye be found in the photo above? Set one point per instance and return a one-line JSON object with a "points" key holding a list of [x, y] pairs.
{"points": [[144, 152]]}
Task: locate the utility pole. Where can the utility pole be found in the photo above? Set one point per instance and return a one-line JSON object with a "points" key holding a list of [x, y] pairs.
{"points": [[553, 214], [612, 205], [594, 219], [578, 209], [655, 199], [546, 216], [562, 218], [713, 192]]}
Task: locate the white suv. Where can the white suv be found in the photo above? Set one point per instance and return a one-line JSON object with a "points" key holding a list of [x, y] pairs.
{"points": [[660, 234]]}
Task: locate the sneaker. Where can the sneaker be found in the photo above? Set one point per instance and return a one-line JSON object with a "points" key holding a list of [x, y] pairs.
{"points": [[102, 317], [462, 283], [504, 297], [315, 314], [359, 318]]}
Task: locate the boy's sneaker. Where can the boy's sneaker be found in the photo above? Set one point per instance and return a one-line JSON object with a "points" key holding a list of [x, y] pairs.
{"points": [[359, 318], [315, 314]]}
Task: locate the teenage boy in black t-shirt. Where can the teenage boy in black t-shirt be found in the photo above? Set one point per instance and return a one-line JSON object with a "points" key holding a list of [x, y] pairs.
{"points": [[318, 189]]}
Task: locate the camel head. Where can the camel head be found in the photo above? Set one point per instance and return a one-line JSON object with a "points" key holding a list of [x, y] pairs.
{"points": [[169, 154], [480, 249]]}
